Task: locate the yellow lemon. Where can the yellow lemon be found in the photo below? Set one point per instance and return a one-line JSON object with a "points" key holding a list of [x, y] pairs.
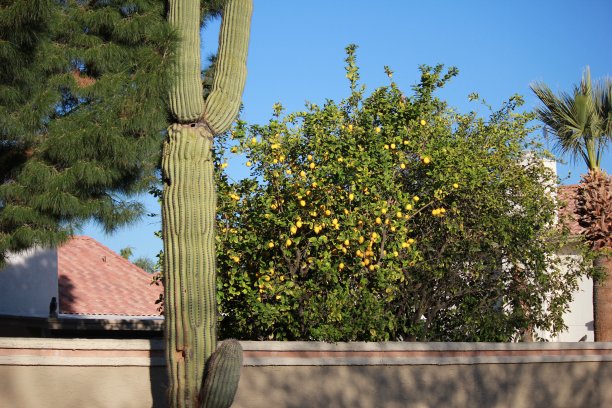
{"points": [[378, 220], [302, 173], [327, 212], [423, 123], [341, 266], [402, 166], [288, 171], [254, 141], [302, 203], [360, 240], [310, 157], [288, 243], [347, 242], [311, 165], [386, 147], [249, 164], [392, 146], [298, 224], [377, 129], [383, 211], [351, 196], [455, 185], [293, 229], [398, 214], [415, 198], [278, 297], [270, 244], [408, 207]]}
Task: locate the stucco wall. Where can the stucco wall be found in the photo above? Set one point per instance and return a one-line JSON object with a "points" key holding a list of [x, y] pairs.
{"points": [[28, 283], [130, 373]]}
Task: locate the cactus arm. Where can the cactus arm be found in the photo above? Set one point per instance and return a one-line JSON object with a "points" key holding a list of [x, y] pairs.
{"points": [[222, 376], [223, 103], [186, 101]]}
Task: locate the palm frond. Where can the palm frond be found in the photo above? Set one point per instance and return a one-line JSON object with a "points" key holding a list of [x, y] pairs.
{"points": [[578, 119]]}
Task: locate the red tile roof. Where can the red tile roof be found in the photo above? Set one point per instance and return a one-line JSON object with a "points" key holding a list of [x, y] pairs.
{"points": [[94, 280], [567, 196]]}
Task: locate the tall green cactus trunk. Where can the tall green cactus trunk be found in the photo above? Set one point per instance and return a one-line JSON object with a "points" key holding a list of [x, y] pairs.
{"points": [[189, 208]]}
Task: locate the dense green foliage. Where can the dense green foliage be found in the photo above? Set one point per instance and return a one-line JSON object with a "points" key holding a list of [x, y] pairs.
{"points": [[82, 112], [389, 217]]}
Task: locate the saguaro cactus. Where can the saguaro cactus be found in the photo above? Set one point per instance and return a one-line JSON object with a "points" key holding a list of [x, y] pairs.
{"points": [[188, 206]]}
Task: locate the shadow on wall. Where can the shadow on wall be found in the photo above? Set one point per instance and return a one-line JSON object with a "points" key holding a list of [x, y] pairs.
{"points": [[491, 385], [28, 283], [159, 382], [67, 296]]}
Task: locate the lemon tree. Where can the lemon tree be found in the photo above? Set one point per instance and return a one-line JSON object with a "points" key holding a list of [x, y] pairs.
{"points": [[385, 217]]}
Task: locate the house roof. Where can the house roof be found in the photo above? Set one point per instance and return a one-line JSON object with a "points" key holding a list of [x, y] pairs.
{"points": [[94, 280], [568, 196]]}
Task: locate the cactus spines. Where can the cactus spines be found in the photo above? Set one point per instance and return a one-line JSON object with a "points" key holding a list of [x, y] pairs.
{"points": [[189, 256], [224, 100], [222, 376], [189, 202], [186, 102]]}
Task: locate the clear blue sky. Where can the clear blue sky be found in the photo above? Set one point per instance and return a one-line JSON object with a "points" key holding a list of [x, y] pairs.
{"points": [[500, 47]]}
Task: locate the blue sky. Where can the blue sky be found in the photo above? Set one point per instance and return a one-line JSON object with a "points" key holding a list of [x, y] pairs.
{"points": [[297, 54]]}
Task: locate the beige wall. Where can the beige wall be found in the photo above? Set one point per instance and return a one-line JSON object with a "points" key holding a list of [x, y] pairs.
{"points": [[129, 373], [484, 385], [28, 282]]}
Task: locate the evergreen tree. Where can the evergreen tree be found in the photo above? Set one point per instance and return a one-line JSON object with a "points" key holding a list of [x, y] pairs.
{"points": [[82, 111]]}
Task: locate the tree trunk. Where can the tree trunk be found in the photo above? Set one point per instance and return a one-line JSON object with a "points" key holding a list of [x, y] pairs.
{"points": [[189, 203], [602, 299]]}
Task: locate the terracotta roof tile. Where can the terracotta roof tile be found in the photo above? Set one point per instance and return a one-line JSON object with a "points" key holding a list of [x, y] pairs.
{"points": [[94, 280]]}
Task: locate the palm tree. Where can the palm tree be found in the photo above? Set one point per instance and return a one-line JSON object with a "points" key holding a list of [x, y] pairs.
{"points": [[582, 124]]}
